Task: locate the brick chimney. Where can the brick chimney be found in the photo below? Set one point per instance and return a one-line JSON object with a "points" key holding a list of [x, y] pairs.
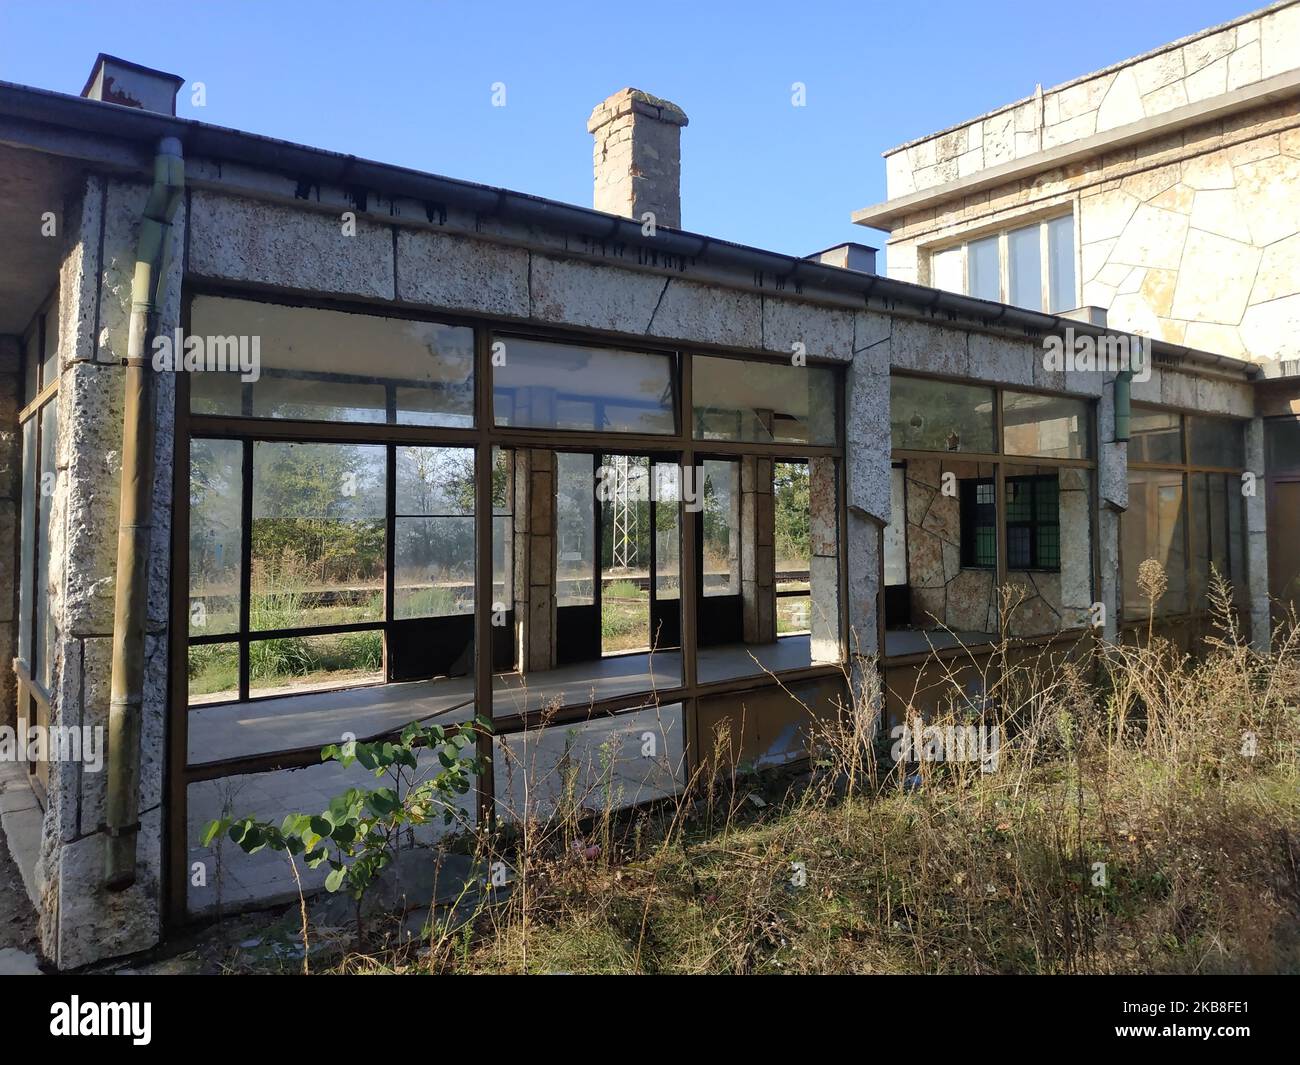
{"points": [[637, 157]]}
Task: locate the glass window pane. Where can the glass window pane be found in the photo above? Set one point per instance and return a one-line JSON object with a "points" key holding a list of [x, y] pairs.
{"points": [[216, 513], [31, 363], [50, 358], [27, 548], [1048, 426], [668, 542], [1025, 267], [1282, 444], [575, 529], [721, 499], [318, 543], [1060, 254], [1216, 441], [213, 673], [1155, 436], [1153, 528], [940, 415], [793, 538], [433, 533], [597, 765], [896, 531], [945, 270], [763, 401], [983, 276], [1198, 534], [565, 386], [45, 630], [332, 365], [294, 664]]}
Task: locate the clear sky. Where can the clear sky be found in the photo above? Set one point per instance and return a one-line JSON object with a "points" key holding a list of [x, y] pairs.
{"points": [[411, 82]]}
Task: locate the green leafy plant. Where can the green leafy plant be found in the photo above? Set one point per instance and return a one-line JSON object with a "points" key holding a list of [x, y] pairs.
{"points": [[360, 832]]}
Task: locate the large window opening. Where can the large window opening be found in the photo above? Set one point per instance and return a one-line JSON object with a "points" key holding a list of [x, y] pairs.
{"points": [[1186, 511], [991, 499], [345, 574]]}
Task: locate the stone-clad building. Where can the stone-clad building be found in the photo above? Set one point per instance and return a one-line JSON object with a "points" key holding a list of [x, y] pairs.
{"points": [[295, 445], [1164, 190]]}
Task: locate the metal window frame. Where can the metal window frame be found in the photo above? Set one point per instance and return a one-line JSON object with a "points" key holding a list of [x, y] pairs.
{"points": [[484, 436]]}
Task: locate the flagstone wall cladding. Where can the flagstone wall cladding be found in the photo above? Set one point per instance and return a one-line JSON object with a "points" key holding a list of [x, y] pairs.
{"points": [[1219, 60], [1191, 236]]}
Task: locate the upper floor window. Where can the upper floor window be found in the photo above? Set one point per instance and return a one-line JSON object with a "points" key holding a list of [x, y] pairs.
{"points": [[1032, 266]]}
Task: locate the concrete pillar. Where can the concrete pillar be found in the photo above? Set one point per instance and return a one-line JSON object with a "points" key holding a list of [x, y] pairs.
{"points": [[757, 549], [1257, 540], [637, 157], [534, 558], [824, 564], [1112, 499], [81, 922]]}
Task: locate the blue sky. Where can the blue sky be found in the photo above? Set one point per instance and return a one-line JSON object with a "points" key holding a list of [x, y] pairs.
{"points": [[410, 83]]}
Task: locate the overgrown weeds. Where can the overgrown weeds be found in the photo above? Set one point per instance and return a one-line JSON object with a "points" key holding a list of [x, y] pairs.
{"points": [[1140, 811]]}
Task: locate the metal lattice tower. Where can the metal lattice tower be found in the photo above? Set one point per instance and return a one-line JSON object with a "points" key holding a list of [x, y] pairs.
{"points": [[627, 515]]}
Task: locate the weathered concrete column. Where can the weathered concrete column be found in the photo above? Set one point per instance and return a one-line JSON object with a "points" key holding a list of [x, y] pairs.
{"points": [[80, 921], [1257, 540], [10, 477], [824, 563], [1112, 501], [534, 558], [637, 157], [757, 549], [867, 480]]}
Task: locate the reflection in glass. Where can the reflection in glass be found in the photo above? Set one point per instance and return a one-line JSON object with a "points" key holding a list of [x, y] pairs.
{"points": [[1155, 436], [1060, 254], [721, 502], [983, 277], [940, 415], [763, 402], [1153, 528], [541, 385], [1025, 267], [334, 366], [216, 515], [1216, 441], [575, 531], [1047, 426]]}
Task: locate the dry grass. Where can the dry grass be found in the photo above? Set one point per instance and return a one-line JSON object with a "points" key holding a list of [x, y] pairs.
{"points": [[1144, 815]]}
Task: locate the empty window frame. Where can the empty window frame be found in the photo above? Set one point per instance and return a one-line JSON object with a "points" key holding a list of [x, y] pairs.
{"points": [[1186, 510], [951, 542], [1029, 266]]}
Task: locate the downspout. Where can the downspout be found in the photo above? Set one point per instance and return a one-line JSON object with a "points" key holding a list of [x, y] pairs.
{"points": [[1123, 394], [135, 523]]}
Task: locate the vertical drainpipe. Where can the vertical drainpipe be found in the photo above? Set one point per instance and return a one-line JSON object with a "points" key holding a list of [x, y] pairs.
{"points": [[135, 525], [1123, 393]]}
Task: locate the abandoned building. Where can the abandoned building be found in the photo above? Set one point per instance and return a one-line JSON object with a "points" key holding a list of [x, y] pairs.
{"points": [[296, 446]]}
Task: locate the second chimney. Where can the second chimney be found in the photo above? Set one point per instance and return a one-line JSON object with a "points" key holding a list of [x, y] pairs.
{"points": [[638, 157]]}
